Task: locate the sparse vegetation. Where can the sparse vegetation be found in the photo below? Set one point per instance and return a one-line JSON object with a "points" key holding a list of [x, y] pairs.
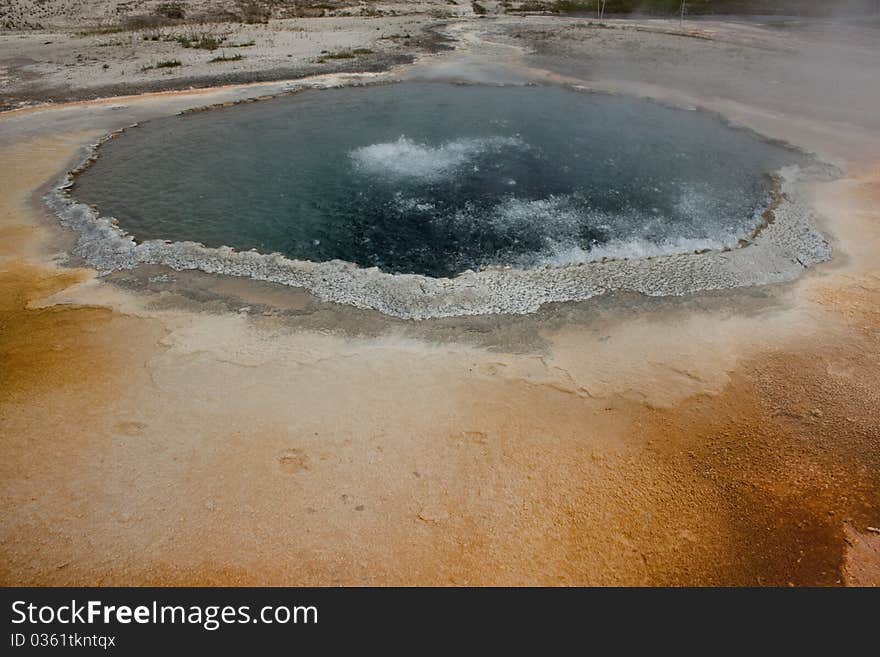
{"points": [[343, 54], [573, 6], [536, 6], [101, 30], [168, 63], [252, 11], [224, 58], [146, 22], [201, 41], [674, 7], [171, 10]]}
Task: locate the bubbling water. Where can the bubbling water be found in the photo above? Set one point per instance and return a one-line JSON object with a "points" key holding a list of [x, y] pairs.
{"points": [[435, 179], [406, 160]]}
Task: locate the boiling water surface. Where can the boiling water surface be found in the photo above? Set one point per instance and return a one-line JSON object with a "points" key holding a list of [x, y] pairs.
{"points": [[437, 178]]}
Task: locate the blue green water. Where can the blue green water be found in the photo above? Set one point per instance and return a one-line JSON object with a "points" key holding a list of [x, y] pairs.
{"points": [[437, 178]]}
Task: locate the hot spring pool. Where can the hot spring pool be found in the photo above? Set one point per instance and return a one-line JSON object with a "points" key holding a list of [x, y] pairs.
{"points": [[435, 179], [425, 200]]}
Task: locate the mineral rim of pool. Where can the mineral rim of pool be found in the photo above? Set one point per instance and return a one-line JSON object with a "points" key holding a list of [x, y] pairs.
{"points": [[435, 179]]}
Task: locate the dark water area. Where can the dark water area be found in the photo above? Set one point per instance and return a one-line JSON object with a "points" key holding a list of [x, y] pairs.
{"points": [[435, 178]]}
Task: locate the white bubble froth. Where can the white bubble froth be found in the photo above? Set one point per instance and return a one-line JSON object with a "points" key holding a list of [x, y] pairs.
{"points": [[408, 160]]}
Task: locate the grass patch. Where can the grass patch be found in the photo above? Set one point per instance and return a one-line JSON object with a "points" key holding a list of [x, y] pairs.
{"points": [[168, 63], [201, 41], [224, 58]]}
